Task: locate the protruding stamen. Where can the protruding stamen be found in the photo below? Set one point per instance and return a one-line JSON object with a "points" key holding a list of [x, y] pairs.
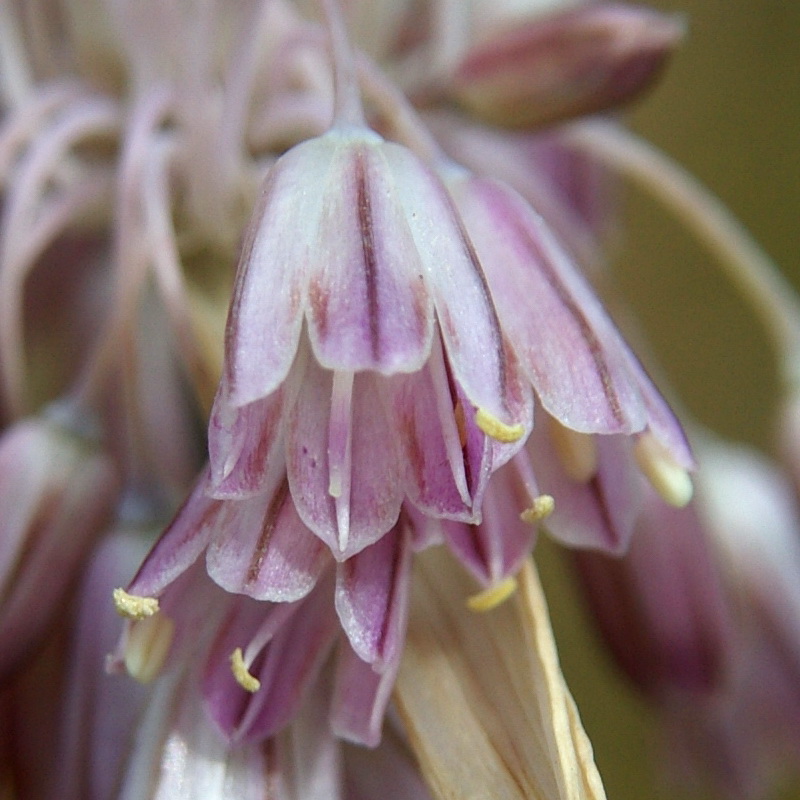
{"points": [[132, 606], [541, 508], [668, 478], [147, 646], [340, 436], [496, 429], [242, 674], [493, 596], [576, 451]]}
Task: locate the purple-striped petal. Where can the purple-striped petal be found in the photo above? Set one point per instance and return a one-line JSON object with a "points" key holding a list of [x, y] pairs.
{"points": [[243, 442], [368, 487], [579, 365], [453, 273], [266, 314], [368, 305], [262, 549], [598, 514], [361, 694], [372, 597], [291, 643], [495, 548], [425, 426], [181, 543]]}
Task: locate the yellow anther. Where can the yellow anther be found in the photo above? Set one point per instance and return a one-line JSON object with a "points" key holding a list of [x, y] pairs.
{"points": [[668, 478], [134, 607], [576, 451], [147, 646], [541, 508], [241, 673], [498, 430], [493, 596]]}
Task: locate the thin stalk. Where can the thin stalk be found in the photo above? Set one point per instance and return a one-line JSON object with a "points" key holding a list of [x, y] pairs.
{"points": [[742, 260]]}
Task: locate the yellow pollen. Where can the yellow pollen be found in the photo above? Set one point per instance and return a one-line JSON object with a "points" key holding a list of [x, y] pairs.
{"points": [[498, 430], [132, 606], [541, 508], [669, 479], [147, 646], [493, 596], [576, 451], [241, 673]]}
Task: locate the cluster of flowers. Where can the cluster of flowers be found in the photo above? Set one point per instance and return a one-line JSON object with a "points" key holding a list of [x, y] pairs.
{"points": [[414, 356]]}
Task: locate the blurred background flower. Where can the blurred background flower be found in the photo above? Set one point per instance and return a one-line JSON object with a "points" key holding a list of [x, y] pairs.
{"points": [[728, 109]]}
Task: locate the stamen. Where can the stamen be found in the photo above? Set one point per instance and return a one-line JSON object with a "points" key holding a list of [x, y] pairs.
{"points": [[493, 596], [496, 429], [147, 646], [668, 478], [541, 508], [340, 436], [133, 606], [576, 451], [348, 110], [242, 674]]}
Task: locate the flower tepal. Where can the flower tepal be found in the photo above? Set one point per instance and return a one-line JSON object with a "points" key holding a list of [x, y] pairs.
{"points": [[356, 280]]}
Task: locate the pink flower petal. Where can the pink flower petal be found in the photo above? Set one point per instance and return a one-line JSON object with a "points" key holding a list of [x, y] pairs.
{"points": [[495, 548], [361, 694], [375, 486], [368, 305], [243, 442], [579, 365], [263, 550], [181, 543], [598, 514], [266, 314], [464, 308], [372, 596]]}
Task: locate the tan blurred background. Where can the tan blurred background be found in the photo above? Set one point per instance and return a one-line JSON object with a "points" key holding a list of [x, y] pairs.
{"points": [[728, 109]]}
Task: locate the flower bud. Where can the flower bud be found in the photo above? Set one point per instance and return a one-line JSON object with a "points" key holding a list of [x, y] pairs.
{"points": [[578, 62], [56, 495]]}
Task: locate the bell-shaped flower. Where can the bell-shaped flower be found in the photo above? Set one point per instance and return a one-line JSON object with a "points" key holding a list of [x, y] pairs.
{"points": [[281, 611], [57, 492], [363, 352]]}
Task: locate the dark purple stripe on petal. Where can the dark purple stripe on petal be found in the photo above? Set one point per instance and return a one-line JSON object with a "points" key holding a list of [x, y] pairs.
{"points": [[365, 225], [270, 520], [542, 261]]}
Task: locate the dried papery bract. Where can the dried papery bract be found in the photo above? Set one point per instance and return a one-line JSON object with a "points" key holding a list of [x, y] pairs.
{"points": [[482, 696]]}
